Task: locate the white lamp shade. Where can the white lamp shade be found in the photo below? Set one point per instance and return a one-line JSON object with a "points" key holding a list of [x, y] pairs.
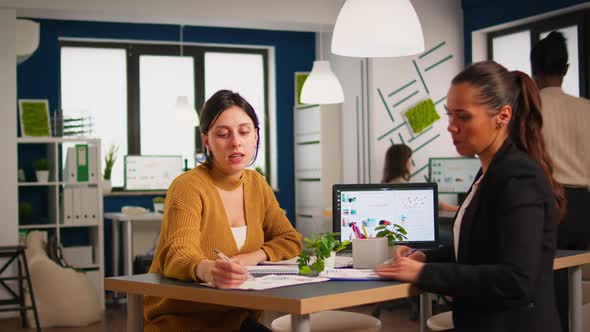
{"points": [[321, 86], [27, 39], [182, 105], [377, 28]]}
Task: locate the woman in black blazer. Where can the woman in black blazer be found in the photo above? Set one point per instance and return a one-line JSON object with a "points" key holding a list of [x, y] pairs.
{"points": [[499, 271]]}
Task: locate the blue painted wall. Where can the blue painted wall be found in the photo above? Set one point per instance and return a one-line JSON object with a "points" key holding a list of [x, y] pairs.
{"points": [[479, 14], [39, 78]]}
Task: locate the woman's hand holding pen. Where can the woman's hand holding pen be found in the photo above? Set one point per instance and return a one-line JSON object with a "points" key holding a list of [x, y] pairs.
{"points": [[405, 266], [405, 251]]}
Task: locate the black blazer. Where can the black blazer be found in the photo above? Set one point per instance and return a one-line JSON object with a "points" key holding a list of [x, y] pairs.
{"points": [[503, 277]]}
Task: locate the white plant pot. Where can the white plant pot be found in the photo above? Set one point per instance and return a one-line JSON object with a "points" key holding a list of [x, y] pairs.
{"points": [[106, 187], [42, 176], [330, 262]]}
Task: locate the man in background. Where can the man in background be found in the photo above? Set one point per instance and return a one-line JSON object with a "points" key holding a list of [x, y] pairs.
{"points": [[566, 130]]}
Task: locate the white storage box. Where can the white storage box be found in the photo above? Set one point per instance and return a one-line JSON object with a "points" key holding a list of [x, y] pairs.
{"points": [[78, 256]]}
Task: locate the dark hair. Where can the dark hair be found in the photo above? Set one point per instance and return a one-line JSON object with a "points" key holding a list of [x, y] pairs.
{"points": [[396, 163], [217, 104], [499, 87], [549, 55]]}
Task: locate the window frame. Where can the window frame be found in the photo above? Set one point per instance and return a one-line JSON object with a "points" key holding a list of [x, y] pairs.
{"points": [[579, 18], [133, 52]]}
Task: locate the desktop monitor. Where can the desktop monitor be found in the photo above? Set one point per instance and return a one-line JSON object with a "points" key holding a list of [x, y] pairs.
{"points": [[414, 206], [151, 172], [453, 175]]}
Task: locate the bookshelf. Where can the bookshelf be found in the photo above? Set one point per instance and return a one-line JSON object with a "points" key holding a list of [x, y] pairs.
{"points": [[45, 200]]}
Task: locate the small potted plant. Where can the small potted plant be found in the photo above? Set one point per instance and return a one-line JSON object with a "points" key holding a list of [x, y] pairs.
{"points": [[25, 209], [42, 170], [321, 249], [396, 233], [158, 204], [109, 161]]}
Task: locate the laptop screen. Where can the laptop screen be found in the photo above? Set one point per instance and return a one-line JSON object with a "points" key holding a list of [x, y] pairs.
{"points": [[359, 208]]}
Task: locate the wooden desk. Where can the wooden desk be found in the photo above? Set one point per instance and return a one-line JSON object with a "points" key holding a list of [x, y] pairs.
{"points": [[300, 301], [127, 221]]}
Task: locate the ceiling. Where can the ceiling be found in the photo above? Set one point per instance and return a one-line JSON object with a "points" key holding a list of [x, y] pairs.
{"points": [[299, 15]]}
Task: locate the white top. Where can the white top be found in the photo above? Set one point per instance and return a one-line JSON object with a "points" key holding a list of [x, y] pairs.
{"points": [[459, 219], [565, 129], [239, 235]]}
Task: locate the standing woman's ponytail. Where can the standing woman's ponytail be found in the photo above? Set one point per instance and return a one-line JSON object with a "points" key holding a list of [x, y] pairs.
{"points": [[525, 131]]}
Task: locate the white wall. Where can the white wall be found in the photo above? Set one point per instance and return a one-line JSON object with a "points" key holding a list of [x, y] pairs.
{"points": [[441, 22], [8, 166]]}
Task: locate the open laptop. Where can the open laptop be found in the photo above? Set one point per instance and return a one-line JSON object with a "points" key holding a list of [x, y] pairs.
{"points": [[414, 206]]}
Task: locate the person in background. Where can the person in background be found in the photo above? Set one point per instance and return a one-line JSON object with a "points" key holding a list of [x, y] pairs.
{"points": [[566, 119], [219, 205], [398, 169], [499, 269]]}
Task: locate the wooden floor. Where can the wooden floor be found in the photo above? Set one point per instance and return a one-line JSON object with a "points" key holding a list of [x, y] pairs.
{"points": [[394, 318]]}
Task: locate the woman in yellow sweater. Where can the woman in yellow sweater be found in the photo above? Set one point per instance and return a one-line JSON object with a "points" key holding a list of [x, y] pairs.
{"points": [[219, 205]]}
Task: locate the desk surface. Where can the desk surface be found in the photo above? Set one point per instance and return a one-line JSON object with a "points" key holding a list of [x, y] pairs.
{"points": [[117, 216], [300, 299]]}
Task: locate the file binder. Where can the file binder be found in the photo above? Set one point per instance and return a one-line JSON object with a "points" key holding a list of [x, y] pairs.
{"points": [[82, 162], [93, 172]]}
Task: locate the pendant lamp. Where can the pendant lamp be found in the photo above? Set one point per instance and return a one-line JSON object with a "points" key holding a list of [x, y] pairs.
{"points": [[377, 28], [321, 86], [182, 104]]}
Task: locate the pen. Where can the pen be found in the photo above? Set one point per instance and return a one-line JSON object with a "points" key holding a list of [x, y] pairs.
{"points": [[403, 255], [225, 258], [365, 232]]}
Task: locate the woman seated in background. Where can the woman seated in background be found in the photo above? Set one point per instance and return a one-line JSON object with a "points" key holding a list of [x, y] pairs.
{"points": [[219, 205], [499, 270], [398, 168]]}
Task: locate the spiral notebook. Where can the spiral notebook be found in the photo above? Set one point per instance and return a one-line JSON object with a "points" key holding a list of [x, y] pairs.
{"points": [[264, 270]]}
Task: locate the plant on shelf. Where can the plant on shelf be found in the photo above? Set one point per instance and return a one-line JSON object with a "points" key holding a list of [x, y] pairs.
{"points": [[109, 161], [318, 249], [42, 170], [396, 233], [25, 209]]}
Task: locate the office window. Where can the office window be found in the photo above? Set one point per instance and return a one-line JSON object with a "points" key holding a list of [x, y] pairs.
{"points": [[512, 51], [130, 91], [164, 129], [511, 47], [94, 83], [242, 73]]}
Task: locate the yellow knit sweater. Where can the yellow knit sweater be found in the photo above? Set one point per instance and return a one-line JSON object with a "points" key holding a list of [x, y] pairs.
{"points": [[195, 222]]}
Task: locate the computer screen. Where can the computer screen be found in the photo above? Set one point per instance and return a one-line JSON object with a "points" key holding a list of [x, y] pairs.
{"points": [[414, 206], [453, 175], [151, 172]]}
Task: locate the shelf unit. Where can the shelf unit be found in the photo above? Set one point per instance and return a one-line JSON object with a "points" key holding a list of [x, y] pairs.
{"points": [[47, 199]]}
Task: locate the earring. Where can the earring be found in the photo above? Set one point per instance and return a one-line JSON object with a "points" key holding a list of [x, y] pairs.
{"points": [[499, 124]]}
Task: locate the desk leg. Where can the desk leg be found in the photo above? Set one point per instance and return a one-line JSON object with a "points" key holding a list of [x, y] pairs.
{"points": [[115, 244], [425, 310], [134, 313], [575, 292], [300, 323], [128, 251]]}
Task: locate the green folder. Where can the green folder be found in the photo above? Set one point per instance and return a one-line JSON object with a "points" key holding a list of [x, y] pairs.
{"points": [[82, 162]]}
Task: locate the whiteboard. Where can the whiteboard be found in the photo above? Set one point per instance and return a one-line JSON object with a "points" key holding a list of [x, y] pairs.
{"points": [[453, 175], [151, 172]]}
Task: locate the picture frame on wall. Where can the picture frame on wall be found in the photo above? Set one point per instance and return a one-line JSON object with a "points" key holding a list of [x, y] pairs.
{"points": [[34, 117], [300, 78]]}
